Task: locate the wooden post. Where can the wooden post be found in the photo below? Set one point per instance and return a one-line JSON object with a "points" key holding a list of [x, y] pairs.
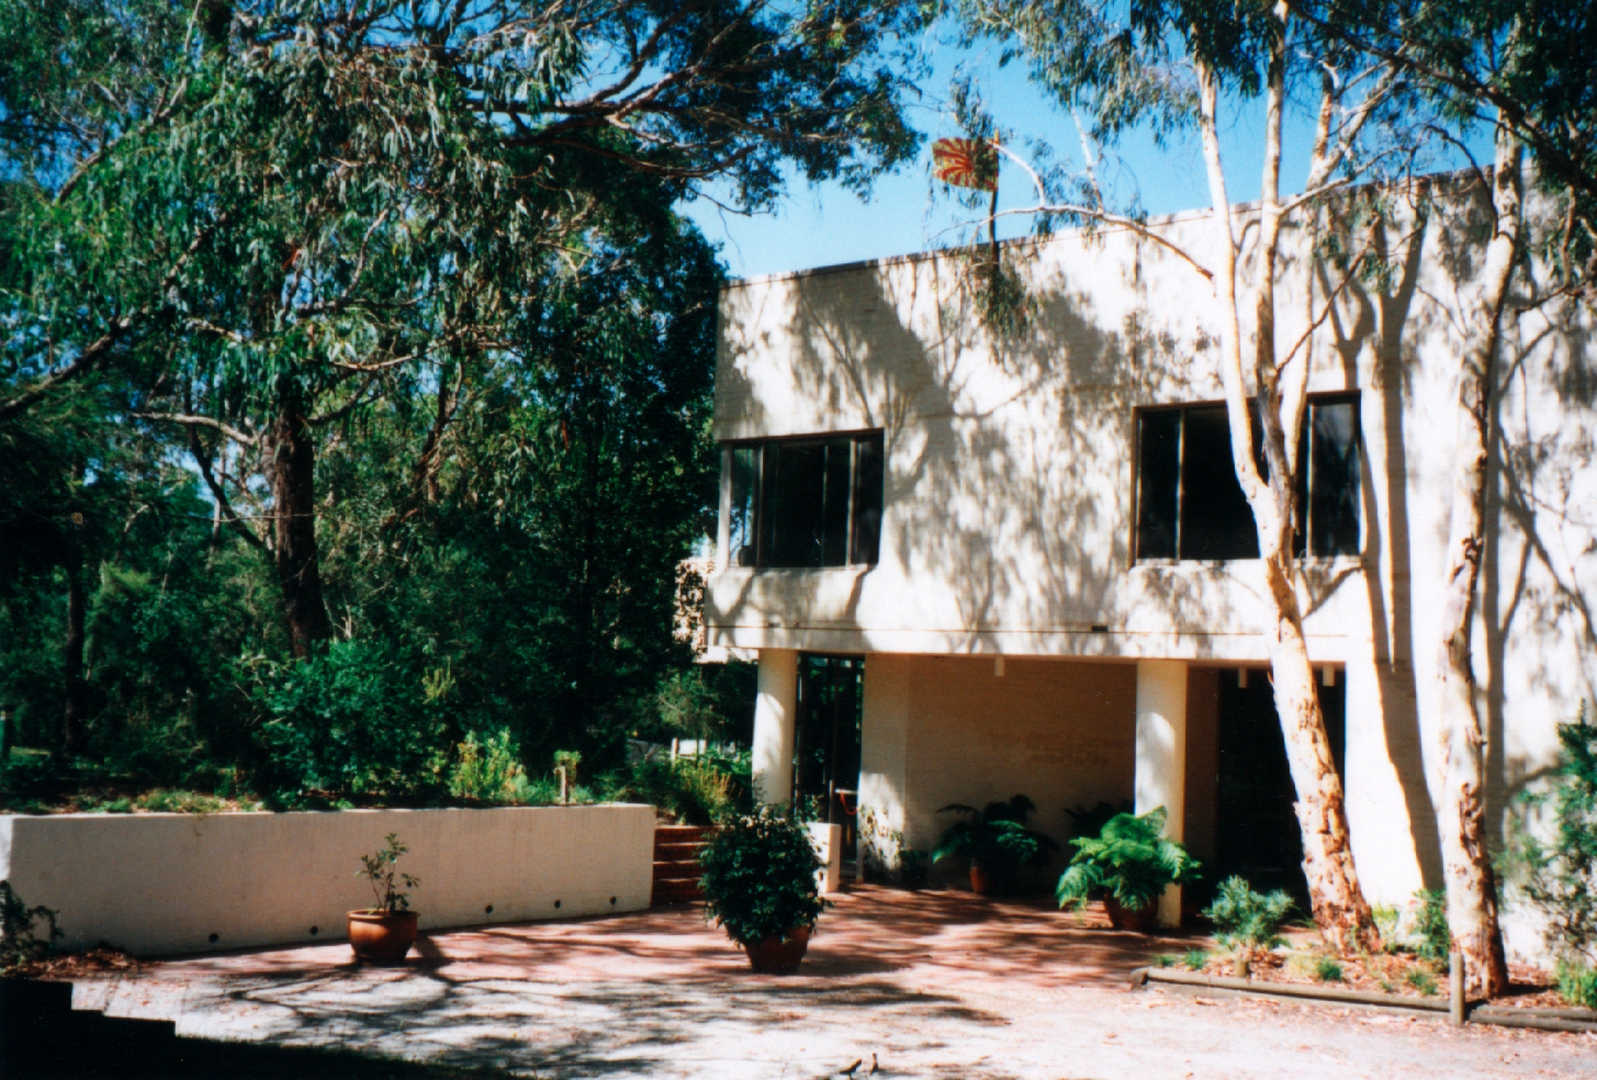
{"points": [[1455, 986]]}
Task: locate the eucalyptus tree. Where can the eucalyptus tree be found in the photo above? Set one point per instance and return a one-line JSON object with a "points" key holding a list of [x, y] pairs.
{"points": [[278, 213], [1522, 73], [1182, 67]]}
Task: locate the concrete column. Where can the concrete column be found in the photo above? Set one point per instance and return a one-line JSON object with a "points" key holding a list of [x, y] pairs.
{"points": [[775, 709], [1161, 774]]}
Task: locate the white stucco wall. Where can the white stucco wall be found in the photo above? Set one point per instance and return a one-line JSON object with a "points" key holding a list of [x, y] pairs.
{"points": [[1008, 503], [176, 883], [1059, 733]]}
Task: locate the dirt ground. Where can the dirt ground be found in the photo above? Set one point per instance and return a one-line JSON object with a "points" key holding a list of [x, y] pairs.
{"points": [[930, 984]]}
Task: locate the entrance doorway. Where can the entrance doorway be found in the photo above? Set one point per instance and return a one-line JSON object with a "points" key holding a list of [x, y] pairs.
{"points": [[826, 738], [1257, 829]]}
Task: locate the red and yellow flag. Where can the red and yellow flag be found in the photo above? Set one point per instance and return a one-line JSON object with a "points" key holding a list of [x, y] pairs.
{"points": [[971, 163]]}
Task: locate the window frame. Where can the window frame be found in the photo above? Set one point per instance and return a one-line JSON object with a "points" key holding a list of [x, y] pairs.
{"points": [[758, 526], [1304, 499]]}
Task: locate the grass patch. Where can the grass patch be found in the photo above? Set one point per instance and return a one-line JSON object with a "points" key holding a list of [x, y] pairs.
{"points": [[1327, 970], [1196, 960], [1422, 981]]}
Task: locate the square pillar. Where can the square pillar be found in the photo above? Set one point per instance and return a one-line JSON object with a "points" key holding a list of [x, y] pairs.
{"points": [[1161, 772], [775, 711]]}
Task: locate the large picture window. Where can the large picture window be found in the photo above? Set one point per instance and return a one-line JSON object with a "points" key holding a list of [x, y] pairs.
{"points": [[1190, 506], [805, 502]]}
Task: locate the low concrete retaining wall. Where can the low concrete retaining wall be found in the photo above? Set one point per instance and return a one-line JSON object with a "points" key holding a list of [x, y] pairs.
{"points": [[173, 883]]}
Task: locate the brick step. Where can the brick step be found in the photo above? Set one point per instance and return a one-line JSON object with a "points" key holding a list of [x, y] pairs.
{"points": [[676, 852], [676, 871], [676, 862], [680, 834], [677, 891]]}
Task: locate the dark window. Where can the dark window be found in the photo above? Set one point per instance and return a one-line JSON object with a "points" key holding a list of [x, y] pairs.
{"points": [[1190, 506], [806, 502], [1330, 471]]}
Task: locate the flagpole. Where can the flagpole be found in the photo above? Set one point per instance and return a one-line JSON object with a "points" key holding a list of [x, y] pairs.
{"points": [[992, 215]]}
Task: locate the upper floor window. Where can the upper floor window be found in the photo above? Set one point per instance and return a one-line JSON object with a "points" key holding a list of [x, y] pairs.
{"points": [[1190, 506], [805, 502]]}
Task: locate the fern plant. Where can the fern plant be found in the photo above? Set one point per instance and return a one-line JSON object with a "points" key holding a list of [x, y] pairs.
{"points": [[995, 837], [1130, 861], [1246, 919]]}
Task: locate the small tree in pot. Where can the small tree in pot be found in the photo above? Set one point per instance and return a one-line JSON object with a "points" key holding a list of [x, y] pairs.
{"points": [[384, 934], [759, 885], [1128, 865]]}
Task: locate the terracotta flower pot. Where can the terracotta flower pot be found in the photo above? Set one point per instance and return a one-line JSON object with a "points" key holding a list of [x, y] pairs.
{"points": [[981, 879], [1144, 920], [381, 937], [774, 956]]}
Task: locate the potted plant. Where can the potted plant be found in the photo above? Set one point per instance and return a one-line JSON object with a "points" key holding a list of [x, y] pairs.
{"points": [[997, 842], [384, 934], [759, 884], [1128, 865]]}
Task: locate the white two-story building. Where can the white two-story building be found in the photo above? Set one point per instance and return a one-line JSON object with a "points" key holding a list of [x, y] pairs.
{"points": [[1033, 546]]}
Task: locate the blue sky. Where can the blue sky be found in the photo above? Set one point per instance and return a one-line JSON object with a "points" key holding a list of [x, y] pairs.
{"points": [[906, 213]]}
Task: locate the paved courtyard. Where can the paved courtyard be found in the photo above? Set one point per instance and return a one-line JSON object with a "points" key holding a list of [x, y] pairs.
{"points": [[930, 984]]}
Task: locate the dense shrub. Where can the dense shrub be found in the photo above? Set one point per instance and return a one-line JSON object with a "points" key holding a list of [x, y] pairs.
{"points": [[692, 790], [489, 770], [759, 877], [360, 720], [1559, 876], [1577, 983]]}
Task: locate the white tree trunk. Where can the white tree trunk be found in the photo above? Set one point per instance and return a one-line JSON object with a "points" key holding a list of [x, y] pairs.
{"points": [[1461, 814], [1337, 901]]}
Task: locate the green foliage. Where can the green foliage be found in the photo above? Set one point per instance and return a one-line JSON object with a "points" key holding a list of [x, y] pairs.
{"points": [[759, 876], [489, 770], [433, 336], [1196, 959], [20, 944], [1165, 960], [1435, 940], [1130, 859], [1421, 980], [1327, 969], [388, 884], [1246, 918], [1559, 875], [995, 837], [352, 722], [1577, 983], [166, 800], [698, 790]]}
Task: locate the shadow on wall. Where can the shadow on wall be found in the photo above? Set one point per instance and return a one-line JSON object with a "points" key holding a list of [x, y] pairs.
{"points": [[1009, 476]]}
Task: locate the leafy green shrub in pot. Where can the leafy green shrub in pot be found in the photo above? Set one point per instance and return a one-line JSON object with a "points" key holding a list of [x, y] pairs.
{"points": [[759, 885], [996, 840], [1128, 865], [384, 934]]}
